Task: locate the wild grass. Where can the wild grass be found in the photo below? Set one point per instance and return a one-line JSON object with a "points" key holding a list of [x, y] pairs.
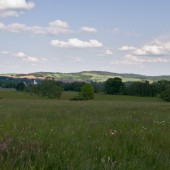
{"points": [[110, 132]]}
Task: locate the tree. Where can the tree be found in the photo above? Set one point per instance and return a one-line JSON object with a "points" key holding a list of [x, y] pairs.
{"points": [[161, 86], [50, 89], [140, 88], [165, 95], [87, 91], [98, 86], [114, 85], [20, 86]]}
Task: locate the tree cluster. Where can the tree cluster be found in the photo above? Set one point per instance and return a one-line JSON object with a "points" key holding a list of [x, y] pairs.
{"points": [[47, 88], [139, 88], [143, 88]]}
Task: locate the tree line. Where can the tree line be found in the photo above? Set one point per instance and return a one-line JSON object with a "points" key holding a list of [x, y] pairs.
{"points": [[139, 88], [53, 89], [113, 86], [46, 88]]}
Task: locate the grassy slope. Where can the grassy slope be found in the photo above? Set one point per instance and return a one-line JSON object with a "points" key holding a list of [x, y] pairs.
{"points": [[111, 132]]}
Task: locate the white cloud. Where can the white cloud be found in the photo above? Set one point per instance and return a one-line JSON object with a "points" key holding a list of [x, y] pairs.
{"points": [[54, 28], [59, 23], [57, 26], [76, 43], [88, 29], [156, 47], [31, 59], [25, 57], [139, 60], [8, 13], [142, 59], [21, 55], [15, 4], [5, 52], [106, 53], [127, 48], [14, 7], [150, 50], [155, 52]]}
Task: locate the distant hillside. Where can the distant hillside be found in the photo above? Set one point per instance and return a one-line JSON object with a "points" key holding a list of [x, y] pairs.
{"points": [[97, 76]]}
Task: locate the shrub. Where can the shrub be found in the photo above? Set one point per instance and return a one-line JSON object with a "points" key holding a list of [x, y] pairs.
{"points": [[87, 93]]}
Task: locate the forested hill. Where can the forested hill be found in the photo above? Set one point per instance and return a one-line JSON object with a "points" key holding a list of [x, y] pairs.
{"points": [[97, 76]]}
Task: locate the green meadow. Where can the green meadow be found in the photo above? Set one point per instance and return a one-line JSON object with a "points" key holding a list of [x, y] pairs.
{"points": [[109, 132]]}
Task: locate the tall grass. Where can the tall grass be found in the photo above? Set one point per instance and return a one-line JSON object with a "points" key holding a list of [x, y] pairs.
{"points": [[110, 132]]}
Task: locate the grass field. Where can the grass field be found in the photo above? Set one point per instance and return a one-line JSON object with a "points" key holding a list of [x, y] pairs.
{"points": [[110, 132]]}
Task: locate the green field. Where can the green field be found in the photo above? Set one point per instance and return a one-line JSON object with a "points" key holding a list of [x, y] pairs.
{"points": [[110, 132]]}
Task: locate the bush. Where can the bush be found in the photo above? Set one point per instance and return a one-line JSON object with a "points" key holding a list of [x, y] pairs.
{"points": [[87, 93]]}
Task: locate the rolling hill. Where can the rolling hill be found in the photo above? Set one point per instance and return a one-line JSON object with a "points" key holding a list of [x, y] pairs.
{"points": [[97, 76]]}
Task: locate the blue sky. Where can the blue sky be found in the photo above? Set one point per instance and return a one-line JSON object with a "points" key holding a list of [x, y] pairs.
{"points": [[131, 36]]}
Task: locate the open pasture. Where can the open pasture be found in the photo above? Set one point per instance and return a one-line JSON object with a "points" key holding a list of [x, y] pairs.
{"points": [[110, 132]]}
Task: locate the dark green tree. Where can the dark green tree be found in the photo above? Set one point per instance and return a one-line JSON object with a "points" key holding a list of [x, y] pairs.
{"points": [[114, 85], [165, 95], [161, 85], [20, 86], [144, 88], [50, 89]]}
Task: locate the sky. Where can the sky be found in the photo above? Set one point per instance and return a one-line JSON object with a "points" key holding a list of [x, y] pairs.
{"points": [[122, 36]]}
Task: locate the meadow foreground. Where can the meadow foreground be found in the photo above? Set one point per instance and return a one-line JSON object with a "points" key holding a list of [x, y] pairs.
{"points": [[110, 132]]}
